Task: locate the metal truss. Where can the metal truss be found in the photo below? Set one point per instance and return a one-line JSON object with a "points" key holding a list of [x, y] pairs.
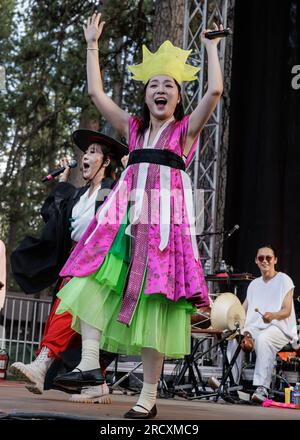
{"points": [[200, 14], [2, 80]]}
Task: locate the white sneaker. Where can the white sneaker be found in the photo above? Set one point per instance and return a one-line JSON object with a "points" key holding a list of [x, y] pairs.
{"points": [[260, 395], [34, 373], [96, 394]]}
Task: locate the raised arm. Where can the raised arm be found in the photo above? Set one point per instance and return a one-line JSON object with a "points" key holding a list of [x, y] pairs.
{"points": [[117, 117], [208, 103]]}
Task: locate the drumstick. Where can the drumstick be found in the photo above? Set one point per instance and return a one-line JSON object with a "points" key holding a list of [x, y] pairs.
{"points": [[256, 310]]}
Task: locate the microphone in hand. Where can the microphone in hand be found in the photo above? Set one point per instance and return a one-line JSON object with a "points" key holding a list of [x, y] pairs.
{"points": [[50, 176], [218, 34]]}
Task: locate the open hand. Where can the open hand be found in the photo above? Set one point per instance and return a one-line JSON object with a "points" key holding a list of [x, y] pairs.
{"points": [[93, 28]]}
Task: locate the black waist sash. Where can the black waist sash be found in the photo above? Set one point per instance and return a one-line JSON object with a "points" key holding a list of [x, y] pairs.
{"points": [[160, 157]]}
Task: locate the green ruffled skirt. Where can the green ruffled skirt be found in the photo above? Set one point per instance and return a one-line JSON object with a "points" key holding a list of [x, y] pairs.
{"points": [[157, 322]]}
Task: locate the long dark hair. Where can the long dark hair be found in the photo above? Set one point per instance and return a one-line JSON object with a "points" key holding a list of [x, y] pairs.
{"points": [[178, 113], [111, 168]]}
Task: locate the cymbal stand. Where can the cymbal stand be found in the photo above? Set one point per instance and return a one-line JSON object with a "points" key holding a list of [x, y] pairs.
{"points": [[163, 389], [115, 385], [190, 365]]}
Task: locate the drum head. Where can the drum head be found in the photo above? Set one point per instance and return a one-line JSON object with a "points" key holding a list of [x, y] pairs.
{"points": [[236, 315], [220, 308]]}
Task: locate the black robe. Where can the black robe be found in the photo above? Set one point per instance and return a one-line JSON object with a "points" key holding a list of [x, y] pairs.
{"points": [[36, 262]]}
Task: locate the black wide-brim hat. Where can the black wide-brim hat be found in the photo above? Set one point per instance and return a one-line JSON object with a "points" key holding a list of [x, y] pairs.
{"points": [[84, 138]]}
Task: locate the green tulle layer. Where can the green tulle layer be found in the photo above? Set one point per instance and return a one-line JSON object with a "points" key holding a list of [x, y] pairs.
{"points": [[157, 322]]}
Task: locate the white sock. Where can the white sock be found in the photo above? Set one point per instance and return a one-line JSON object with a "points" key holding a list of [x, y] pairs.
{"points": [[147, 397], [89, 356]]}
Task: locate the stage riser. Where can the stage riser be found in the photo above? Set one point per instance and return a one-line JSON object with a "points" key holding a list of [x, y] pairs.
{"points": [[291, 376], [206, 372], [126, 367]]}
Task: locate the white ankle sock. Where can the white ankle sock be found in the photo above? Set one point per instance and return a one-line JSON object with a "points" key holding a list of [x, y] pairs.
{"points": [[90, 355], [147, 397]]}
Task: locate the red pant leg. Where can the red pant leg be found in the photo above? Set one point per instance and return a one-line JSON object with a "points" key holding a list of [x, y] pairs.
{"points": [[58, 335]]}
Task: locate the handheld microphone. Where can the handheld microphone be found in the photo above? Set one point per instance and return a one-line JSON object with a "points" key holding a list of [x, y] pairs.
{"points": [[57, 172], [235, 228], [218, 34]]}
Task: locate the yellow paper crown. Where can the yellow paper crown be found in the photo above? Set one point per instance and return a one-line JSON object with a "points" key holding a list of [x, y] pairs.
{"points": [[167, 60]]}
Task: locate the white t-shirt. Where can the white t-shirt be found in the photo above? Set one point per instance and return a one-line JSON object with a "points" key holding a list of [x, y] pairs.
{"points": [[268, 297], [83, 213]]}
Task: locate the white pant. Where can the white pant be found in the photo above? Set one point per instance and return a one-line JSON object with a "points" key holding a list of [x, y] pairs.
{"points": [[267, 343]]}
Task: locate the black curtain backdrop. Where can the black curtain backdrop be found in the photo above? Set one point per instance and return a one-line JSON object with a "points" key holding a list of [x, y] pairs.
{"points": [[263, 186]]}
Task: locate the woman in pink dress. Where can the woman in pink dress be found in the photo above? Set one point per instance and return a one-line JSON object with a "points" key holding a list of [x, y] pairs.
{"points": [[137, 271]]}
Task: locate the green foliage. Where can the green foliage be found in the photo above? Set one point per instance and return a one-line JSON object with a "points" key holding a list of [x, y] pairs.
{"points": [[43, 52]]}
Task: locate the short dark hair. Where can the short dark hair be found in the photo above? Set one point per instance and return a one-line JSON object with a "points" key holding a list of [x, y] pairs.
{"points": [[269, 246], [178, 112]]}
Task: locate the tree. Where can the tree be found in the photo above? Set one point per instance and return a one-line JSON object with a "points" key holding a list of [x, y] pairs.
{"points": [[127, 27], [47, 99], [45, 59], [168, 23]]}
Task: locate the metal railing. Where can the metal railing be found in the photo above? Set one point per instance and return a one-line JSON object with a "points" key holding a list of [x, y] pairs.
{"points": [[22, 322]]}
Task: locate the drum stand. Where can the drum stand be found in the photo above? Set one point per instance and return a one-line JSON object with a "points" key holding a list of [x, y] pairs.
{"points": [[163, 391], [224, 390], [191, 365], [115, 385]]}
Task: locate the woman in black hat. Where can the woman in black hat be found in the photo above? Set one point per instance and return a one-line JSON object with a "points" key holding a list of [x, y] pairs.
{"points": [[70, 210]]}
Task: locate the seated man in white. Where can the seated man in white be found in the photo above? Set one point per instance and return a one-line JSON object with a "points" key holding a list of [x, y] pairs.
{"points": [[270, 320]]}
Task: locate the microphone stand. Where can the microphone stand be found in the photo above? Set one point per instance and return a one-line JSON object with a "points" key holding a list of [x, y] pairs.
{"points": [[223, 233], [226, 235]]}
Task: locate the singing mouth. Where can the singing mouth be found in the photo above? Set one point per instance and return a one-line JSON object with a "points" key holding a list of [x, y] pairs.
{"points": [[86, 166], [160, 101]]}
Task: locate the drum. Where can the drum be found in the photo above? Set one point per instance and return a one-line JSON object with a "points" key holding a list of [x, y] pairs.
{"points": [[226, 312], [201, 319]]}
